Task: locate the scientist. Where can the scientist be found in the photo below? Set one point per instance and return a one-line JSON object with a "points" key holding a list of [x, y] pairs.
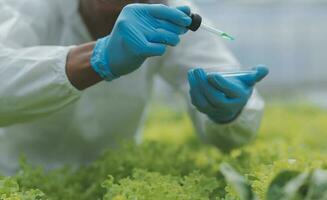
{"points": [[48, 63]]}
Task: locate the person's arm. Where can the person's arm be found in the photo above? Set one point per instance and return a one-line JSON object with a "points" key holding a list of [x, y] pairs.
{"points": [[234, 134], [39, 80], [33, 80], [33, 83], [78, 67], [203, 50]]}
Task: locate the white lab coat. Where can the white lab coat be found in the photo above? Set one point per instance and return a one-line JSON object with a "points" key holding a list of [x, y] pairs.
{"points": [[52, 123]]}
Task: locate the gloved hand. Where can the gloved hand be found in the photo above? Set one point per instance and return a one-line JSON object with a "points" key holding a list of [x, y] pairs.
{"points": [[222, 99], [141, 31]]}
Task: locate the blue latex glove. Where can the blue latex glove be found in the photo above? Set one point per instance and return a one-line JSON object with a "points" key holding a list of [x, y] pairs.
{"points": [[141, 31], [222, 99]]}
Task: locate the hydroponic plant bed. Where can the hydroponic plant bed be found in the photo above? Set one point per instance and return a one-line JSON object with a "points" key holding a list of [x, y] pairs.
{"points": [[285, 162]]}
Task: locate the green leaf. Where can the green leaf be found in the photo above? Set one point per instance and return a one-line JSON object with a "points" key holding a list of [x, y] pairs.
{"points": [[238, 182], [318, 186], [276, 189], [292, 185], [10, 190], [297, 188]]}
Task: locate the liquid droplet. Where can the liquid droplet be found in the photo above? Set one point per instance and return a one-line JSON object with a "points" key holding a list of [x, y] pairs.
{"points": [[227, 36]]}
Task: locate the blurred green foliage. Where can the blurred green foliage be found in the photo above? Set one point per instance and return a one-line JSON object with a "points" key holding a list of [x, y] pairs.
{"points": [[173, 164]]}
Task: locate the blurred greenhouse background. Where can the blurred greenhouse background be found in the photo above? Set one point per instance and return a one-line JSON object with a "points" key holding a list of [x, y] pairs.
{"points": [[289, 36]]}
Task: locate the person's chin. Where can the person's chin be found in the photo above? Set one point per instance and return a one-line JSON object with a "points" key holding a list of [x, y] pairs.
{"points": [[110, 7]]}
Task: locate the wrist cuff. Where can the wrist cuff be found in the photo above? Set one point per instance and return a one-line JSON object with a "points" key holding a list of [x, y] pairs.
{"points": [[100, 61]]}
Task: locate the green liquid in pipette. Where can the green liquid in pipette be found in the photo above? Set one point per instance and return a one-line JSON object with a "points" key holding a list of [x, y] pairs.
{"points": [[217, 32], [227, 36]]}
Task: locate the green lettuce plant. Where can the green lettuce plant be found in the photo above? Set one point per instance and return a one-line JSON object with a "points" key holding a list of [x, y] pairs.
{"points": [[286, 162]]}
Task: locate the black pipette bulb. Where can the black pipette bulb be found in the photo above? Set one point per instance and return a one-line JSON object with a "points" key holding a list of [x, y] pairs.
{"points": [[196, 22]]}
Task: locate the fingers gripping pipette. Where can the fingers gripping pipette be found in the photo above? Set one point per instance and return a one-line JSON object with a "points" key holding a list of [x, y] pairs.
{"points": [[197, 23]]}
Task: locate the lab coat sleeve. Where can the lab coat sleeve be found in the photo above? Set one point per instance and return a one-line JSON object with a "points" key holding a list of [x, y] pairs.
{"points": [[204, 50], [33, 82]]}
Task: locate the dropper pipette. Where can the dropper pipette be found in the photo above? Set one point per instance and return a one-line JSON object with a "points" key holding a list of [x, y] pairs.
{"points": [[197, 23], [217, 32]]}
